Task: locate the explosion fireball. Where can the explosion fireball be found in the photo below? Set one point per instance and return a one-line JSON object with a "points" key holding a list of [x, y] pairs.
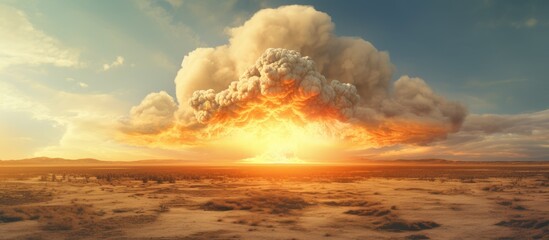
{"points": [[287, 107]]}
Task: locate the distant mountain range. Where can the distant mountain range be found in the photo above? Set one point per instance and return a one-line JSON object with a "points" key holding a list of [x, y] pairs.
{"points": [[45, 161], [442, 161]]}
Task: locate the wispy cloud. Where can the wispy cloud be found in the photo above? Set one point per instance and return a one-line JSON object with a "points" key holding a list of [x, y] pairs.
{"points": [[72, 80], [492, 83], [175, 3], [22, 44], [528, 23], [86, 124], [119, 61], [166, 21], [502, 137]]}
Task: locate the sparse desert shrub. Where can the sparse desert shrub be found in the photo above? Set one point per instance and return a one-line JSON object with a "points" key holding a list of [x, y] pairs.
{"points": [[288, 221], [468, 180], [99, 213], [59, 224], [241, 221], [493, 188], [217, 205], [351, 203], [7, 219], [9, 196], [401, 225], [254, 223], [505, 203], [525, 223], [516, 181], [52, 217], [80, 210], [519, 207], [270, 203], [417, 237], [171, 180], [109, 226], [123, 210], [164, 208], [369, 212]]}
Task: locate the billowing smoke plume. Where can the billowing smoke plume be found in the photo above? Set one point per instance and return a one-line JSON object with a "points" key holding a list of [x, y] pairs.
{"points": [[287, 63], [299, 28], [279, 78]]}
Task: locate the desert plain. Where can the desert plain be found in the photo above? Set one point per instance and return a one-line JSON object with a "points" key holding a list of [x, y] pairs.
{"points": [[396, 200]]}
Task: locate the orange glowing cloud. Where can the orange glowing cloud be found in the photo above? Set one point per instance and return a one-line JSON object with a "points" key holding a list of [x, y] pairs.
{"points": [[285, 105]]}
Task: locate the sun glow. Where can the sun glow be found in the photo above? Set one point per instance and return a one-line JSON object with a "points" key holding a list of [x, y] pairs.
{"points": [[275, 156], [281, 141]]}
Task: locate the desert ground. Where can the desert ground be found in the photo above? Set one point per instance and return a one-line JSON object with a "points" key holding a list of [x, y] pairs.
{"points": [[395, 201]]}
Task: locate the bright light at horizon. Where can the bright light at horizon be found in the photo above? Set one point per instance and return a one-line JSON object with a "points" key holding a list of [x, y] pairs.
{"points": [[282, 141]]}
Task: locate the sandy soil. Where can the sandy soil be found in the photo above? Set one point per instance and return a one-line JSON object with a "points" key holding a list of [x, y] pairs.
{"points": [[276, 208]]}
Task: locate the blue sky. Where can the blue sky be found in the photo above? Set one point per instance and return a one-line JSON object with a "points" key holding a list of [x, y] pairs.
{"points": [[489, 55], [482, 53]]}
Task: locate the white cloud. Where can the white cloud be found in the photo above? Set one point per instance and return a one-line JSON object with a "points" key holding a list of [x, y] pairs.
{"points": [[72, 80], [12, 99], [87, 121], [83, 85], [119, 61], [22, 44]]}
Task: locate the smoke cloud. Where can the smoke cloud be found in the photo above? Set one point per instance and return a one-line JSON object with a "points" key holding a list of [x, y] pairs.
{"points": [[299, 28], [153, 115], [287, 64], [279, 78]]}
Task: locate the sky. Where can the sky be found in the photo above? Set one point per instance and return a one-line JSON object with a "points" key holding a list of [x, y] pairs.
{"points": [[71, 71]]}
